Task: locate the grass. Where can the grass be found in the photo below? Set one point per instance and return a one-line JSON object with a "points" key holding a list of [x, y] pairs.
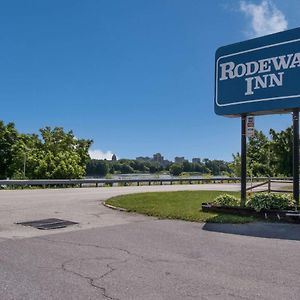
{"points": [[185, 205]]}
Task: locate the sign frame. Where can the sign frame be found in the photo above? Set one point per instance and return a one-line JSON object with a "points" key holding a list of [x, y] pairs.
{"points": [[260, 104], [244, 108]]}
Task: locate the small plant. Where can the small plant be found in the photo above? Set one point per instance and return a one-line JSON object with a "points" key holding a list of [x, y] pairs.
{"points": [[261, 201], [108, 176], [207, 176], [226, 200], [18, 175]]}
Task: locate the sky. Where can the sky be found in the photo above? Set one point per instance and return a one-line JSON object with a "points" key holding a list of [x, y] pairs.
{"points": [[135, 76]]}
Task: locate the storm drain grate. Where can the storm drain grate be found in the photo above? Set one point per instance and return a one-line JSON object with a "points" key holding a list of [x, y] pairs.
{"points": [[48, 224]]}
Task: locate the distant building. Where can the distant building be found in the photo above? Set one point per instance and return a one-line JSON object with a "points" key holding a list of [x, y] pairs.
{"points": [[114, 157], [179, 160], [142, 158], [196, 160], [158, 157], [166, 163]]}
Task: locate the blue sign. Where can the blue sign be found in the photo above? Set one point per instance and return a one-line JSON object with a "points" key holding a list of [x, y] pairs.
{"points": [[259, 76]]}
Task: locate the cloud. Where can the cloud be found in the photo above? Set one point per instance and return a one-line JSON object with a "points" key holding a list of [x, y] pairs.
{"points": [[265, 18], [98, 154]]}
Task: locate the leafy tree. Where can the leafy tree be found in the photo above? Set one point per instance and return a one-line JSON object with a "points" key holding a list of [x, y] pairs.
{"points": [[235, 165], [281, 148], [200, 168], [267, 157], [8, 137], [216, 167], [126, 169], [97, 167], [186, 166], [176, 169], [155, 167], [57, 155], [27, 152], [64, 155], [258, 155]]}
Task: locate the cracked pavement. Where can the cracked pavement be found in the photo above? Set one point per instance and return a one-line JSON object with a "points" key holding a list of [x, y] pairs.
{"points": [[116, 255]]}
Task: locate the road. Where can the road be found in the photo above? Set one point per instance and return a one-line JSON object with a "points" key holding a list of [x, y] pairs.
{"points": [[116, 255], [79, 204]]}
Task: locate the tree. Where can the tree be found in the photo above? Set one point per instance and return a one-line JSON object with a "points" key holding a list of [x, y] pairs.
{"points": [[27, 151], [176, 169], [216, 167], [8, 137], [258, 155], [153, 169], [65, 156], [200, 168], [186, 166], [281, 148], [235, 165], [57, 155], [268, 157], [126, 169], [97, 167]]}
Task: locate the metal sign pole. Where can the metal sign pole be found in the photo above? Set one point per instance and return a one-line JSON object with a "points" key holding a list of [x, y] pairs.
{"points": [[296, 155], [243, 159]]}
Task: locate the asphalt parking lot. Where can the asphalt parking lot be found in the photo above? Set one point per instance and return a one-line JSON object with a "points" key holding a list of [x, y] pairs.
{"points": [[116, 255]]}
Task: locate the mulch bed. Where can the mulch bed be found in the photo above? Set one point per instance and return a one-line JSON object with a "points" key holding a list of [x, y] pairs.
{"points": [[289, 215]]}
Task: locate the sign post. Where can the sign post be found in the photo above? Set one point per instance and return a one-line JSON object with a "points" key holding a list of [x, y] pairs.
{"points": [[243, 159], [250, 126], [260, 77], [296, 155]]}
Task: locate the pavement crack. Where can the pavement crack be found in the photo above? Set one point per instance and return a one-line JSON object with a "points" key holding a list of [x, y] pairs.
{"points": [[125, 251], [85, 245], [96, 215], [91, 280], [101, 247]]}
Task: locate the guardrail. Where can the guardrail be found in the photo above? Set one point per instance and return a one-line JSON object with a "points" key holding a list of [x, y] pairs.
{"points": [[123, 182]]}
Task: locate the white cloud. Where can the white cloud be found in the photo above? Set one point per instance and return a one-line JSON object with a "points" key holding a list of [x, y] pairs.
{"points": [[265, 18], [98, 154]]}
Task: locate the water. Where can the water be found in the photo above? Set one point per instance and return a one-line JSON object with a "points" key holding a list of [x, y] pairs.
{"points": [[156, 176], [142, 176], [161, 176]]}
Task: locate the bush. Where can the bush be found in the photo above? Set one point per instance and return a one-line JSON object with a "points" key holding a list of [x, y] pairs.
{"points": [[176, 169], [262, 201], [226, 200]]}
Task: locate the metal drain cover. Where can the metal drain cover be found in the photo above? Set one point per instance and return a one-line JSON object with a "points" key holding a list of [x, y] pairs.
{"points": [[48, 224]]}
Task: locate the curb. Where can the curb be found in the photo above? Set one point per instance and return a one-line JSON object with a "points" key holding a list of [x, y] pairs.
{"points": [[114, 207]]}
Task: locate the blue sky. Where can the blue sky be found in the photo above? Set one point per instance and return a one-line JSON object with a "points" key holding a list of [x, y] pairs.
{"points": [[135, 76]]}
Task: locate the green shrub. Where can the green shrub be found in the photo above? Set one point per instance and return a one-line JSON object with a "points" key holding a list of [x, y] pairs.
{"points": [[261, 201], [226, 200]]}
